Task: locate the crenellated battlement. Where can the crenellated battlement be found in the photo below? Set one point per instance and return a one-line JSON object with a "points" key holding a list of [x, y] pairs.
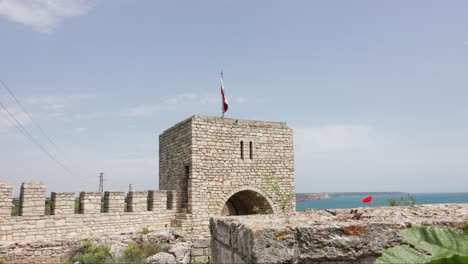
{"points": [[114, 202], [113, 213], [6, 194], [32, 201], [62, 203]]}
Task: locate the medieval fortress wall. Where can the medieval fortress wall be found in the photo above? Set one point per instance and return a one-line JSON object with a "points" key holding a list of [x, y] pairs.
{"points": [[144, 209], [208, 166]]}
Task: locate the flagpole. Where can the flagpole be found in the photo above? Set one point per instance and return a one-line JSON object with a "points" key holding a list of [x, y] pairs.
{"points": [[222, 99]]}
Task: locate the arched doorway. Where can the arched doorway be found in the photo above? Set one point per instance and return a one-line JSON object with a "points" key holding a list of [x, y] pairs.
{"points": [[245, 203]]}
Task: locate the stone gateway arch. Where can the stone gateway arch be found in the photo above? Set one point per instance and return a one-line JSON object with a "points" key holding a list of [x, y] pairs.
{"points": [[221, 166]]}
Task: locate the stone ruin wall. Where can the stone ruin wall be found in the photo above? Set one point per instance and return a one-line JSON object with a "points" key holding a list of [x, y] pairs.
{"points": [[219, 170], [201, 158], [34, 235], [174, 155]]}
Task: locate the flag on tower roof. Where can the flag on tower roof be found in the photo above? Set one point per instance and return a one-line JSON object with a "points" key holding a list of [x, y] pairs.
{"points": [[223, 96]]}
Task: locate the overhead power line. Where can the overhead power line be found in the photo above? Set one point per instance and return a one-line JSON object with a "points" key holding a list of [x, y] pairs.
{"points": [[13, 124], [32, 119], [25, 132]]}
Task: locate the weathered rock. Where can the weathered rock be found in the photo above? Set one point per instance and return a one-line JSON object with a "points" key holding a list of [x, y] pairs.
{"points": [[180, 251], [161, 258], [201, 243], [186, 259], [321, 237], [165, 236]]}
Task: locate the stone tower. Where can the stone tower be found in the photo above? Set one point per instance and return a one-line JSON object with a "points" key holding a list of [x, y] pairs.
{"points": [[223, 166]]}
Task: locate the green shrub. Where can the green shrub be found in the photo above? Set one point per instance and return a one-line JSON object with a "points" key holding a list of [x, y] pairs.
{"points": [[77, 206], [178, 223], [133, 253], [15, 207], [144, 231], [137, 253], [409, 201], [48, 206], [90, 254]]}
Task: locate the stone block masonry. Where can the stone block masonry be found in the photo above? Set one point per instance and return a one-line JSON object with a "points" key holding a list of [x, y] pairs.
{"points": [[347, 236], [223, 166], [32, 199], [137, 201], [90, 202], [63, 226], [157, 200], [62, 203], [6, 194], [114, 202]]}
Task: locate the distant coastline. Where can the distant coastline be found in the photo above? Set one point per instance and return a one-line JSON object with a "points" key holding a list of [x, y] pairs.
{"points": [[354, 199], [319, 196], [311, 196]]}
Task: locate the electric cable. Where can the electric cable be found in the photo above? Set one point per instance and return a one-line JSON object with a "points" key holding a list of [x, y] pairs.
{"points": [[32, 119], [30, 137]]}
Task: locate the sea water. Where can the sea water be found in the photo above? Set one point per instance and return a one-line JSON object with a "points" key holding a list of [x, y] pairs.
{"points": [[353, 201]]}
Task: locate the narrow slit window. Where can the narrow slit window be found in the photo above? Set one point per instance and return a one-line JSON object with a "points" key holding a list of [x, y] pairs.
{"points": [[185, 187], [242, 149], [250, 150]]}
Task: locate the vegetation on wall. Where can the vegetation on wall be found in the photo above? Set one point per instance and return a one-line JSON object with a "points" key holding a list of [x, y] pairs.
{"points": [[429, 245], [273, 191]]}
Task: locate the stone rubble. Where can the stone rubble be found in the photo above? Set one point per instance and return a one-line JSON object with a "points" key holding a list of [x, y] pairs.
{"points": [[161, 258]]}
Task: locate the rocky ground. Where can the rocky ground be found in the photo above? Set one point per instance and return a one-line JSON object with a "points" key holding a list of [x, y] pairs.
{"points": [[419, 215], [179, 250], [402, 215], [324, 236]]}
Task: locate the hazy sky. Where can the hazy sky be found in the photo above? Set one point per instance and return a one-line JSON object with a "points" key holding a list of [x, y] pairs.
{"points": [[376, 91]]}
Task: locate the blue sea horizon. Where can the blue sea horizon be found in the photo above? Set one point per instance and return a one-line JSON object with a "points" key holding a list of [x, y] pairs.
{"points": [[355, 200]]}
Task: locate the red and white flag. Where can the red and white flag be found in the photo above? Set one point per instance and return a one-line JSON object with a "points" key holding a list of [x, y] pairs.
{"points": [[223, 95]]}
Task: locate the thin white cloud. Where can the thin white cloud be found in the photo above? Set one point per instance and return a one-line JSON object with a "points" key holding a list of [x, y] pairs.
{"points": [[81, 129], [241, 100], [347, 157], [139, 111], [181, 98], [22, 118], [53, 107], [169, 104], [44, 107], [43, 15], [333, 138], [55, 99], [190, 98]]}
